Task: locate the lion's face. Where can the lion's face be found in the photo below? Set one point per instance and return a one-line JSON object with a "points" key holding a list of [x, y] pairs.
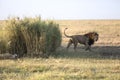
{"points": [[92, 35], [95, 36]]}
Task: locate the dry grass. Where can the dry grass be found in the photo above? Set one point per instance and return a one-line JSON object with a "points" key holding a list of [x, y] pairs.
{"points": [[108, 29], [60, 69], [70, 65]]}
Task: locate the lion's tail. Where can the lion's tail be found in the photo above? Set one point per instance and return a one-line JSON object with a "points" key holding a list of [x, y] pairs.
{"points": [[66, 34]]}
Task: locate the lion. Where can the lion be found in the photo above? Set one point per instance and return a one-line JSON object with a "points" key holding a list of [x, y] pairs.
{"points": [[86, 39]]}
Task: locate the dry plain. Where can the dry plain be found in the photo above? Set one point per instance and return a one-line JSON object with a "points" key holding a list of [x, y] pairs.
{"points": [[101, 64]]}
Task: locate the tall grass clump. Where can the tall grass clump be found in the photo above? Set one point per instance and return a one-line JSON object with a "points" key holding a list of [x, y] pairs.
{"points": [[3, 46], [33, 37], [3, 39]]}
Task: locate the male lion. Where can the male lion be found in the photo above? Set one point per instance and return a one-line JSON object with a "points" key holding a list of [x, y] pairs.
{"points": [[86, 39]]}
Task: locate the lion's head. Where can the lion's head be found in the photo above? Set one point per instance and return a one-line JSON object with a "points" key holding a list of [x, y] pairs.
{"points": [[93, 36]]}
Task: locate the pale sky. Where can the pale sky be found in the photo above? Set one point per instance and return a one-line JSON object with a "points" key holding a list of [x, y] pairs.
{"points": [[61, 9]]}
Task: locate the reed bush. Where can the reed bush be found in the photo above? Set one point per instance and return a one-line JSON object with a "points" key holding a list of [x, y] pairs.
{"points": [[33, 37], [3, 46], [3, 40]]}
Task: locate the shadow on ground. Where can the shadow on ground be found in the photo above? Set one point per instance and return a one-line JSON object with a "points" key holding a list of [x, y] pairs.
{"points": [[99, 52]]}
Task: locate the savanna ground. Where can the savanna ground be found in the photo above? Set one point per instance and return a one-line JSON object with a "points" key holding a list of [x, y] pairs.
{"points": [[103, 63]]}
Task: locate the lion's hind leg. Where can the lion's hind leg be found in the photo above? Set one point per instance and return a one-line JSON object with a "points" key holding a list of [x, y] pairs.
{"points": [[69, 43]]}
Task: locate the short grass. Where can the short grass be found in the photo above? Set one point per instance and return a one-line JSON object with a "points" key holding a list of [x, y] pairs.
{"points": [[68, 65], [61, 68]]}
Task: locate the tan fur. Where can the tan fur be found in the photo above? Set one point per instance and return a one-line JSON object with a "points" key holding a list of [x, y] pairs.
{"points": [[86, 39]]}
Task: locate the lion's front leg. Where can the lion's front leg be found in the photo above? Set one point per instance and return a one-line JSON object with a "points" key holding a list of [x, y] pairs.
{"points": [[88, 47]]}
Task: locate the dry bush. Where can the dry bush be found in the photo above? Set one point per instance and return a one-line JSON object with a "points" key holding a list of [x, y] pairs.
{"points": [[33, 37]]}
